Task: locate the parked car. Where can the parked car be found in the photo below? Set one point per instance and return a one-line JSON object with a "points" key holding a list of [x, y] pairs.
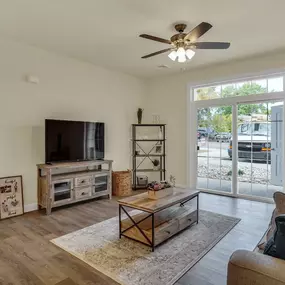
{"points": [[202, 132], [254, 141], [198, 136], [212, 135], [223, 137]]}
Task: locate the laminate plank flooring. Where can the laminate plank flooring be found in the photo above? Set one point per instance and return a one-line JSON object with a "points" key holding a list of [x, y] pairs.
{"points": [[28, 258]]}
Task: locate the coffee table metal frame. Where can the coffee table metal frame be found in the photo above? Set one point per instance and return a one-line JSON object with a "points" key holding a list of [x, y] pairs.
{"points": [[151, 243]]}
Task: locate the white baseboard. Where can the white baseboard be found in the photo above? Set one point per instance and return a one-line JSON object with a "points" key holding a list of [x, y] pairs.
{"points": [[30, 207]]}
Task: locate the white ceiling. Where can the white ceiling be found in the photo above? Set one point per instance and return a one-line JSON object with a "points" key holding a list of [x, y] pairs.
{"points": [[106, 32]]}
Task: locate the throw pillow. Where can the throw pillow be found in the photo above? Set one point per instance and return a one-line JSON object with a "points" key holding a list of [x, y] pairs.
{"points": [[276, 245], [279, 199]]}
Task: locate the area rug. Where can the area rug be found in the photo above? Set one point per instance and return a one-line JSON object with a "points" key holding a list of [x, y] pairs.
{"points": [[129, 262]]}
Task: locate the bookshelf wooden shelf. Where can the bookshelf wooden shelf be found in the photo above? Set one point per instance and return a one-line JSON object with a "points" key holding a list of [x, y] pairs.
{"points": [[139, 144]]}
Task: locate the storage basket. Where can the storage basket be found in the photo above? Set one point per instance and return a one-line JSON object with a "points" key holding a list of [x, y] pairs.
{"points": [[122, 183]]}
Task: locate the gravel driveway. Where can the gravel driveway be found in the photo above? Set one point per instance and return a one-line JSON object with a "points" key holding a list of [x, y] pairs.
{"points": [[247, 174], [220, 166]]}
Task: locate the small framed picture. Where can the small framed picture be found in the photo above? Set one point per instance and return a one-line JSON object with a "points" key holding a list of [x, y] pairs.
{"points": [[158, 149], [11, 197]]}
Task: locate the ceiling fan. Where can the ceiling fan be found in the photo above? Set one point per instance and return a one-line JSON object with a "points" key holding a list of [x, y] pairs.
{"points": [[184, 44]]}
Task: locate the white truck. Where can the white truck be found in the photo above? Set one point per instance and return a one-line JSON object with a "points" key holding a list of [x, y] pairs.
{"points": [[263, 141]]}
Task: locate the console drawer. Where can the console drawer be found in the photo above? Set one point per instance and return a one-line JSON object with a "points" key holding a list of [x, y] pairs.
{"points": [[83, 193], [82, 181]]}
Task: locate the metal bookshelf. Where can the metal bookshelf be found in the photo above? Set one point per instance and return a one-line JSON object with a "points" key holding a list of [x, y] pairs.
{"points": [[138, 144]]}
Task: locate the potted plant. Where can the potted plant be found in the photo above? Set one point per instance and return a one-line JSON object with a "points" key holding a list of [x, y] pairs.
{"points": [[155, 163]]}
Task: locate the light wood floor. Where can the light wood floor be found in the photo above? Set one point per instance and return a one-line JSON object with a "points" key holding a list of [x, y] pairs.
{"points": [[27, 256]]}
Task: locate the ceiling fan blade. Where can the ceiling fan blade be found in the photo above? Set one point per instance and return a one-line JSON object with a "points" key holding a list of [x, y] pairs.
{"points": [[153, 38], [212, 45], [198, 31], [156, 53]]}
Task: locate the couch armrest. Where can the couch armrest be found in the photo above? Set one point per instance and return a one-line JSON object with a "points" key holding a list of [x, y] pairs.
{"points": [[247, 268]]}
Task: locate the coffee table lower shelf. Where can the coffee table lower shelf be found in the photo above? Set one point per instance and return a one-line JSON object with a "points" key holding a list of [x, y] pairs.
{"points": [[152, 229]]}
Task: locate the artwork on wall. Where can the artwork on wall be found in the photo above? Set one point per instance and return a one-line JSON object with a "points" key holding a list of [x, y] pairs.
{"points": [[11, 197]]}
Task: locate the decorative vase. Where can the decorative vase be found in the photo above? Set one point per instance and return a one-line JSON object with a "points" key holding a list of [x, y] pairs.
{"points": [[172, 180], [139, 114], [155, 119]]}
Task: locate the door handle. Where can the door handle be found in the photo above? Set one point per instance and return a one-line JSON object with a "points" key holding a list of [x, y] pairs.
{"points": [[273, 149]]}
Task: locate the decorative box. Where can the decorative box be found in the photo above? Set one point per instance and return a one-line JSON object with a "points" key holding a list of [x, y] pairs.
{"points": [[155, 195], [142, 180]]}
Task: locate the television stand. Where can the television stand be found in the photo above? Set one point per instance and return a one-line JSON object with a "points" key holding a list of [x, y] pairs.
{"points": [[66, 183]]}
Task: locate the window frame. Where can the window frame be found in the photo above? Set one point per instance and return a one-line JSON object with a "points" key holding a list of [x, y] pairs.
{"points": [[191, 120], [237, 81]]}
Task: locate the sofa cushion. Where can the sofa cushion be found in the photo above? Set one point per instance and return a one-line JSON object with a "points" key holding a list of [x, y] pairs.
{"points": [[251, 268]]}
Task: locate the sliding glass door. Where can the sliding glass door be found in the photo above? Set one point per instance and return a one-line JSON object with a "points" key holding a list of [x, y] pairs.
{"points": [[260, 155], [239, 137], [214, 132], [240, 149]]}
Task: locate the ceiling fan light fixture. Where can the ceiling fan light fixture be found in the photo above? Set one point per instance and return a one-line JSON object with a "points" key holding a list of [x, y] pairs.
{"points": [[173, 55], [181, 45], [182, 58], [190, 53], [181, 52]]}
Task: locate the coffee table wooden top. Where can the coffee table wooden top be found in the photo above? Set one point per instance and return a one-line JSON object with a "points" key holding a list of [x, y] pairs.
{"points": [[142, 202]]}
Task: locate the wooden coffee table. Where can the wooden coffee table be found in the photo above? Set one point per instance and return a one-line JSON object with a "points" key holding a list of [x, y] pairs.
{"points": [[158, 220]]}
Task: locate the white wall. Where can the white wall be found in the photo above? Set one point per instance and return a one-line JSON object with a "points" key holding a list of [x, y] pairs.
{"points": [[68, 89], [167, 96]]}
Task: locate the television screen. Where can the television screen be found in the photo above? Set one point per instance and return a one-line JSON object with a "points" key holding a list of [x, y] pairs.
{"points": [[73, 141]]}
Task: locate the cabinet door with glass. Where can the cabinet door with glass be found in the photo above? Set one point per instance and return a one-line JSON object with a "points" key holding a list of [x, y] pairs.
{"points": [[62, 191], [100, 184]]}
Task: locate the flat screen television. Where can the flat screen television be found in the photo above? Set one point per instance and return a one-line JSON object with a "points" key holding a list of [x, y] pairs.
{"points": [[73, 141]]}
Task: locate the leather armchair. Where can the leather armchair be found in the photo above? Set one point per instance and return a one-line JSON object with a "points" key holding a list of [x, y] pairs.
{"points": [[252, 268]]}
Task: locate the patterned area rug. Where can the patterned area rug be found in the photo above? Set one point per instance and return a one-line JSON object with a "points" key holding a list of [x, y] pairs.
{"points": [[129, 262]]}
